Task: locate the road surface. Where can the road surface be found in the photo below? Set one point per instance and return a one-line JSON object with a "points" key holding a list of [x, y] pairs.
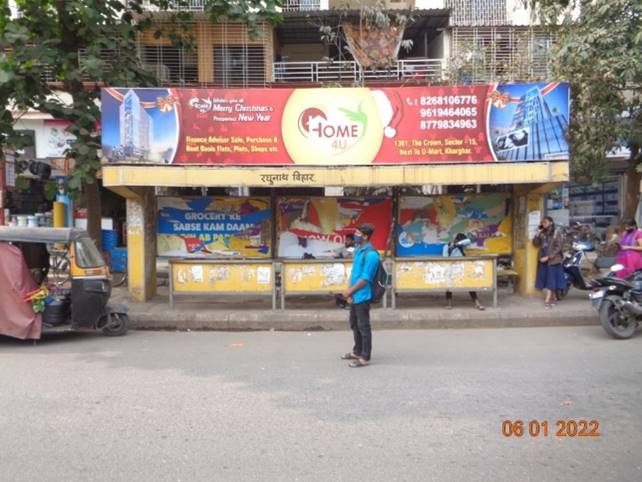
{"points": [[271, 406]]}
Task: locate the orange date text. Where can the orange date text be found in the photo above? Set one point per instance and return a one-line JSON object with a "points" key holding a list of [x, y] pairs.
{"points": [[542, 428]]}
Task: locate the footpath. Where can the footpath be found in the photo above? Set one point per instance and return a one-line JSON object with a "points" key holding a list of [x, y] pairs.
{"points": [[320, 313]]}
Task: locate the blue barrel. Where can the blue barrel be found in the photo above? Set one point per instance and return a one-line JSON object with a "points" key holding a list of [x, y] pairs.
{"points": [[110, 239], [118, 258]]}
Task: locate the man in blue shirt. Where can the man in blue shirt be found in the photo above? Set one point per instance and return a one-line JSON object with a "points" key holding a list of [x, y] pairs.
{"points": [[359, 294]]}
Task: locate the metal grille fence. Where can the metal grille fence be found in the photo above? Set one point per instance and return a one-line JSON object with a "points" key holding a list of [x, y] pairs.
{"points": [[489, 54], [477, 12], [301, 5]]}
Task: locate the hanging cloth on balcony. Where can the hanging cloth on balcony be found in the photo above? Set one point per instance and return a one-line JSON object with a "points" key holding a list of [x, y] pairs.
{"points": [[372, 46]]}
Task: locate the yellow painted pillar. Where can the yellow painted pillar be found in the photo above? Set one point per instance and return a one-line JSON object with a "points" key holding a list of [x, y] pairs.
{"points": [[58, 214], [528, 203], [141, 244], [141, 240]]}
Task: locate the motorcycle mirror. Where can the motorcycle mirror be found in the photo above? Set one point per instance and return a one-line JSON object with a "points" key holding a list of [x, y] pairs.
{"points": [[616, 267]]}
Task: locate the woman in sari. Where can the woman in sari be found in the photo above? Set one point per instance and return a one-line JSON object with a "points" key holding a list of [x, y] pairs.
{"points": [[630, 253]]}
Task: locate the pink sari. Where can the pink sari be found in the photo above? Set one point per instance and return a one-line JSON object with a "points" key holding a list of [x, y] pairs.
{"points": [[631, 260]]}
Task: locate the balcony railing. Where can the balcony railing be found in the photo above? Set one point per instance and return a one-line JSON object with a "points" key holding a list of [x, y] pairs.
{"points": [[301, 5], [350, 71], [189, 6]]}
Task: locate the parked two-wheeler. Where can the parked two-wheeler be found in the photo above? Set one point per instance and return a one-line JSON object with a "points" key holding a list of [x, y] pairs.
{"points": [[572, 265], [618, 302]]}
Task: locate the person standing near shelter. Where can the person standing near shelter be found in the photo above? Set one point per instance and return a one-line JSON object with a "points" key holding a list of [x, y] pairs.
{"points": [[456, 248], [550, 272], [630, 253], [359, 294], [347, 250]]}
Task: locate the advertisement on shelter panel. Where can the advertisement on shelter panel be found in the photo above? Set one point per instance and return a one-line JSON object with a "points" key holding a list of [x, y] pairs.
{"points": [[316, 227], [214, 227], [427, 224], [336, 126]]}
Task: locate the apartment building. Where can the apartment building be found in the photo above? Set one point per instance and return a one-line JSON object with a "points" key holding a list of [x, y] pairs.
{"points": [[450, 40]]}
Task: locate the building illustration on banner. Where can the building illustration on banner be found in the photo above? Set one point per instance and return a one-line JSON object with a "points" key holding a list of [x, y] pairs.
{"points": [[143, 125], [538, 116], [136, 127]]}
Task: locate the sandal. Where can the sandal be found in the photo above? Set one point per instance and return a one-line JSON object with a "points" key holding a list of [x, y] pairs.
{"points": [[480, 307], [349, 356], [547, 306], [358, 363]]}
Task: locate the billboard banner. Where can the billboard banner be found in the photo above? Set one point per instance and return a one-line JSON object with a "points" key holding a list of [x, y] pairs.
{"points": [[214, 227], [427, 224], [336, 126], [316, 227]]}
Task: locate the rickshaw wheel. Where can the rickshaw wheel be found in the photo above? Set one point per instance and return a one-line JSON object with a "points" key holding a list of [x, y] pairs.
{"points": [[117, 324]]}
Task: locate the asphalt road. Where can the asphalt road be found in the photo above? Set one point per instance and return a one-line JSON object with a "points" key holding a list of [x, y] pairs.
{"points": [[282, 406]]}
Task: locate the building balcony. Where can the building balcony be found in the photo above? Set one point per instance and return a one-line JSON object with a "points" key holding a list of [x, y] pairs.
{"points": [[304, 5], [181, 6], [318, 72]]}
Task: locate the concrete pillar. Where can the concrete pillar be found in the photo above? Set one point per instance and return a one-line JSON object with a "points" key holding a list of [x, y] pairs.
{"points": [[141, 244], [58, 214], [527, 200], [141, 240]]}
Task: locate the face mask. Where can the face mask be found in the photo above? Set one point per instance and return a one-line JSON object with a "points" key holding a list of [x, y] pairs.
{"points": [[358, 239]]}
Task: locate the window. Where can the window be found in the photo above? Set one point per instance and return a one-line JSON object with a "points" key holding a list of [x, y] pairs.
{"points": [[87, 255], [171, 65], [239, 65]]}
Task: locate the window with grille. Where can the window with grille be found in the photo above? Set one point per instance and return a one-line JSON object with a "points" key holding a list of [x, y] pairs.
{"points": [[171, 65], [477, 12], [503, 53], [239, 65]]}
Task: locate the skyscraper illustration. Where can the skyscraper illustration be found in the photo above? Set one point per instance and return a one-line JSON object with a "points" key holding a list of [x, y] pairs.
{"points": [[536, 131], [136, 127]]}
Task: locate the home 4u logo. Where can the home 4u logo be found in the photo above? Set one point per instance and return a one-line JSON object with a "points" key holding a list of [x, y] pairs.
{"points": [[332, 127], [342, 131]]}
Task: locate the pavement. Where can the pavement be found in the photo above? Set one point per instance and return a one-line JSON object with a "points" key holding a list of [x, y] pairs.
{"points": [[319, 313], [281, 406]]}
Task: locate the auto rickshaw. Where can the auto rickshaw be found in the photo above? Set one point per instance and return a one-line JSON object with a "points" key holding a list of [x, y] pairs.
{"points": [[56, 278]]}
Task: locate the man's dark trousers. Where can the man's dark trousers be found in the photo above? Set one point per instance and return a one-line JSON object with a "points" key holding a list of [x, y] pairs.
{"points": [[360, 325]]}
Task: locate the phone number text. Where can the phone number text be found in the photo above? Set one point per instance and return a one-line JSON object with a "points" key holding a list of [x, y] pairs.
{"points": [[448, 100], [448, 124], [449, 112]]}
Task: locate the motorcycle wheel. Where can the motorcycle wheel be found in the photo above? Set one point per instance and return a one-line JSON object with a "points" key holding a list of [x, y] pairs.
{"points": [[117, 324], [613, 323]]}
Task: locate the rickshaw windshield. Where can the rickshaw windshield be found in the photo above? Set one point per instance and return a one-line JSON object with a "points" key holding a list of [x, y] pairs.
{"points": [[87, 255]]}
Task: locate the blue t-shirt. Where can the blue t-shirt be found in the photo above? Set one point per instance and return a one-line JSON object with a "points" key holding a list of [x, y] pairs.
{"points": [[365, 265]]}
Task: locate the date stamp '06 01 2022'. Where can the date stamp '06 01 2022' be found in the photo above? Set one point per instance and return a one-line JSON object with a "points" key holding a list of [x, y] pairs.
{"points": [[542, 428]]}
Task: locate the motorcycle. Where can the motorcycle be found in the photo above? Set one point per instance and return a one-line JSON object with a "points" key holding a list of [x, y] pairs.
{"points": [[618, 302], [572, 265]]}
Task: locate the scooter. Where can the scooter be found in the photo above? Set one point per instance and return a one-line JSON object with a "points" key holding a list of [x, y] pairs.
{"points": [[618, 302], [572, 265]]}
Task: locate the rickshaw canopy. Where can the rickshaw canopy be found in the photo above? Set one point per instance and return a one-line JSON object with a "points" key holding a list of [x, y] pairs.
{"points": [[41, 235]]}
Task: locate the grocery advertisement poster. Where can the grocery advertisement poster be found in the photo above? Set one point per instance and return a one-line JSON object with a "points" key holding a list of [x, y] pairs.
{"points": [[335, 126], [426, 224], [214, 227], [317, 227]]}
